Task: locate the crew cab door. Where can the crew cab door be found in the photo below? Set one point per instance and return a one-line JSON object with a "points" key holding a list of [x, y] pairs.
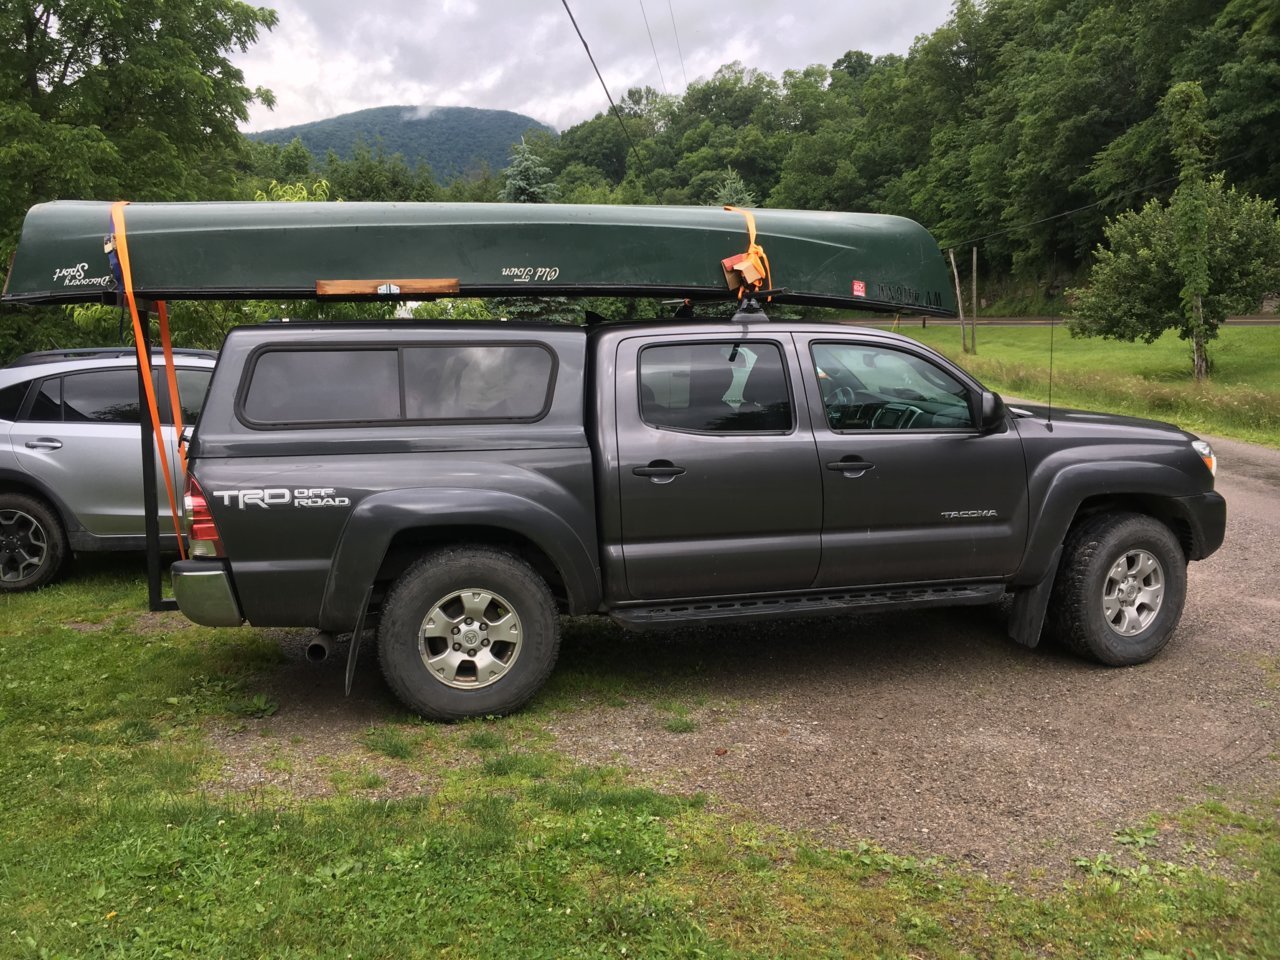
{"points": [[718, 484], [912, 490]]}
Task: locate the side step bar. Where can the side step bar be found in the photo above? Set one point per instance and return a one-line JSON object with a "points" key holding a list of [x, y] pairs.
{"points": [[669, 613]]}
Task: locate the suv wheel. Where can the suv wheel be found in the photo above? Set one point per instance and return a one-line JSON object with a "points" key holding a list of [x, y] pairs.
{"points": [[467, 632], [33, 548], [1120, 588]]}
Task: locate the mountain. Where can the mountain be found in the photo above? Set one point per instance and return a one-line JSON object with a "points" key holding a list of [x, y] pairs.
{"points": [[451, 140]]}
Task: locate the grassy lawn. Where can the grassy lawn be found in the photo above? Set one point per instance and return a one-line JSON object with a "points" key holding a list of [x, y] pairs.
{"points": [[117, 840], [1150, 380]]}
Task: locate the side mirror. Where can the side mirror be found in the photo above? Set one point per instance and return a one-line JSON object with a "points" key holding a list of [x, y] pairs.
{"points": [[991, 412]]}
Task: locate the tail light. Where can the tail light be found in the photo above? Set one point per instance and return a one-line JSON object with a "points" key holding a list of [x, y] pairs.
{"points": [[202, 532]]}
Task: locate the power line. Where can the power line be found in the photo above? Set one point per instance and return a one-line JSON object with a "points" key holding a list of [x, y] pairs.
{"points": [[653, 47], [1087, 206], [678, 50], [616, 112]]}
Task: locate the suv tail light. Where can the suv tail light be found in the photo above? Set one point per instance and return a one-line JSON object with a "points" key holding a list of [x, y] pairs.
{"points": [[202, 532]]}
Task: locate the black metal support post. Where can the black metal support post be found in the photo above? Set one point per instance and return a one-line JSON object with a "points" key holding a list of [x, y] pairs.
{"points": [[150, 491]]}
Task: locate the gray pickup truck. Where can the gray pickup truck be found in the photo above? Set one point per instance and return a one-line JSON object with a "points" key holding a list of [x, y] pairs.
{"points": [[460, 486]]}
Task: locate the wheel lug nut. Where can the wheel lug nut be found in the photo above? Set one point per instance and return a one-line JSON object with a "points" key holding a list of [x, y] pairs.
{"points": [[484, 626], [456, 631], [484, 642], [470, 621], [471, 653], [457, 646]]}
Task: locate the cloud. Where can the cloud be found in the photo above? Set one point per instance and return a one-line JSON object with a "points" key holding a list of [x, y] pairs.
{"points": [[328, 57]]}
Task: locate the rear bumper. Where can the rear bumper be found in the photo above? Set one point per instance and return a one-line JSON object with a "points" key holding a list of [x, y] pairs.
{"points": [[1206, 515], [204, 594]]}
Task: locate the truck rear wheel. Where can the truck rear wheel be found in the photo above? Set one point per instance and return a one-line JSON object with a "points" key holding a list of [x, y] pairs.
{"points": [[1120, 589], [33, 548], [468, 632]]}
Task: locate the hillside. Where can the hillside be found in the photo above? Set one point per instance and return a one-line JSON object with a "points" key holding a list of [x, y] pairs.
{"points": [[451, 140]]}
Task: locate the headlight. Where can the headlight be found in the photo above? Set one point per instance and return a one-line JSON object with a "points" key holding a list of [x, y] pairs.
{"points": [[1206, 454]]}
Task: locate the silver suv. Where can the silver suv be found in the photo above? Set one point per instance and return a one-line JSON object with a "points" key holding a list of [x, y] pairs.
{"points": [[70, 456]]}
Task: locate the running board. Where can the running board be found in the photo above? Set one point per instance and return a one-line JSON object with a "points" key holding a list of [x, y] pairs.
{"points": [[673, 613]]}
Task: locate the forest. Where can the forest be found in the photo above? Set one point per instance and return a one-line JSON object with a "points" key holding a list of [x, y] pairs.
{"points": [[1018, 126]]}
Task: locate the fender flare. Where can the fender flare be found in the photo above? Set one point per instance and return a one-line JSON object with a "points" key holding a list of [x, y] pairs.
{"points": [[1068, 487], [377, 519]]}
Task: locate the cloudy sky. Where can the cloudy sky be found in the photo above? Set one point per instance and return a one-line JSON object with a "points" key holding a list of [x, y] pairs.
{"points": [[328, 57]]}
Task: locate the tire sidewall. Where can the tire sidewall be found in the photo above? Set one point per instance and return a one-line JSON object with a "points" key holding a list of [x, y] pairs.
{"points": [[1135, 533], [432, 579], [55, 542]]}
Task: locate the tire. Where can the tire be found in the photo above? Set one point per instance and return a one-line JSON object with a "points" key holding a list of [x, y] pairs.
{"points": [[434, 641], [1120, 589], [33, 545]]}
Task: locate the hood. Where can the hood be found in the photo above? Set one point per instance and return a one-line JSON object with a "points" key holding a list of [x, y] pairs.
{"points": [[1110, 423]]}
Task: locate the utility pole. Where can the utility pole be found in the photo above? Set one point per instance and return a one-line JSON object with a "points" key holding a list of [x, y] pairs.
{"points": [[964, 333], [973, 302]]}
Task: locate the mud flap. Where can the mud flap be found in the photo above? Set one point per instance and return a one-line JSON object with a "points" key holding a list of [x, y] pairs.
{"points": [[356, 636], [1026, 620]]}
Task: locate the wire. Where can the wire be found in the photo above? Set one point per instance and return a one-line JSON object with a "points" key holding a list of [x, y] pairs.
{"points": [[653, 47], [616, 112], [1087, 206], [678, 50]]}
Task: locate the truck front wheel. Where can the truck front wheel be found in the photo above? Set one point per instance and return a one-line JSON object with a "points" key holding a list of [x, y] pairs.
{"points": [[1120, 588], [468, 632]]}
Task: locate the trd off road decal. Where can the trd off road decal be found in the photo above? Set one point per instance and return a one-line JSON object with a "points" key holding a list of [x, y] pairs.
{"points": [[268, 497]]}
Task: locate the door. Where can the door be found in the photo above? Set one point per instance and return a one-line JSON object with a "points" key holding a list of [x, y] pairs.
{"points": [[911, 489], [718, 484], [80, 435]]}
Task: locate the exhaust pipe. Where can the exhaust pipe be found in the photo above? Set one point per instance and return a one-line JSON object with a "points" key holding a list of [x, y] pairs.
{"points": [[319, 648]]}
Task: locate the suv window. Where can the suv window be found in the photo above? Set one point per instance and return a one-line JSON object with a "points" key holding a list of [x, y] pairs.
{"points": [[451, 382], [11, 400], [715, 387], [100, 396], [867, 387], [110, 396]]}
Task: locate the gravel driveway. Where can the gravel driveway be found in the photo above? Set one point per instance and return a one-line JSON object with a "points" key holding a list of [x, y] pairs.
{"points": [[925, 732], [930, 732]]}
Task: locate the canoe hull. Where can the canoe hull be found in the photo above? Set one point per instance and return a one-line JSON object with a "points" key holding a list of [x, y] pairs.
{"points": [[283, 250]]}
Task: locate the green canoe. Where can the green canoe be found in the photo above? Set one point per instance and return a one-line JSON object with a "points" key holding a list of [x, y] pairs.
{"points": [[411, 251]]}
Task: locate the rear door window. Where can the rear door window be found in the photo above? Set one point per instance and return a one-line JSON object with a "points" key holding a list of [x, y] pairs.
{"points": [[100, 396]]}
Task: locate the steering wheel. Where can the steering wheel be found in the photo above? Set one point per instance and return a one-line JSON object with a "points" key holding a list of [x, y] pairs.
{"points": [[841, 397]]}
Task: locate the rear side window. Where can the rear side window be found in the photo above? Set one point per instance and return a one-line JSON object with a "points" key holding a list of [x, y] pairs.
{"points": [[317, 386], [11, 400], [495, 382], [433, 382], [100, 396], [47, 405]]}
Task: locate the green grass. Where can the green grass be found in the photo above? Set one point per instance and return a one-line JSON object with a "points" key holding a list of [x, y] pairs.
{"points": [[114, 844], [1241, 400]]}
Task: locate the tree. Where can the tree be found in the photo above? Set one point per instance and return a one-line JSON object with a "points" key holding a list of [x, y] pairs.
{"points": [[732, 191], [1134, 290], [106, 99], [527, 179]]}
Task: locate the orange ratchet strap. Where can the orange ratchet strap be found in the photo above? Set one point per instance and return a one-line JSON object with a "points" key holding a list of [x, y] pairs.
{"points": [[750, 270], [144, 363]]}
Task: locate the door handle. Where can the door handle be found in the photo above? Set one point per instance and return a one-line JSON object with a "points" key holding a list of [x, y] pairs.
{"points": [[44, 443], [851, 466], [659, 471]]}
